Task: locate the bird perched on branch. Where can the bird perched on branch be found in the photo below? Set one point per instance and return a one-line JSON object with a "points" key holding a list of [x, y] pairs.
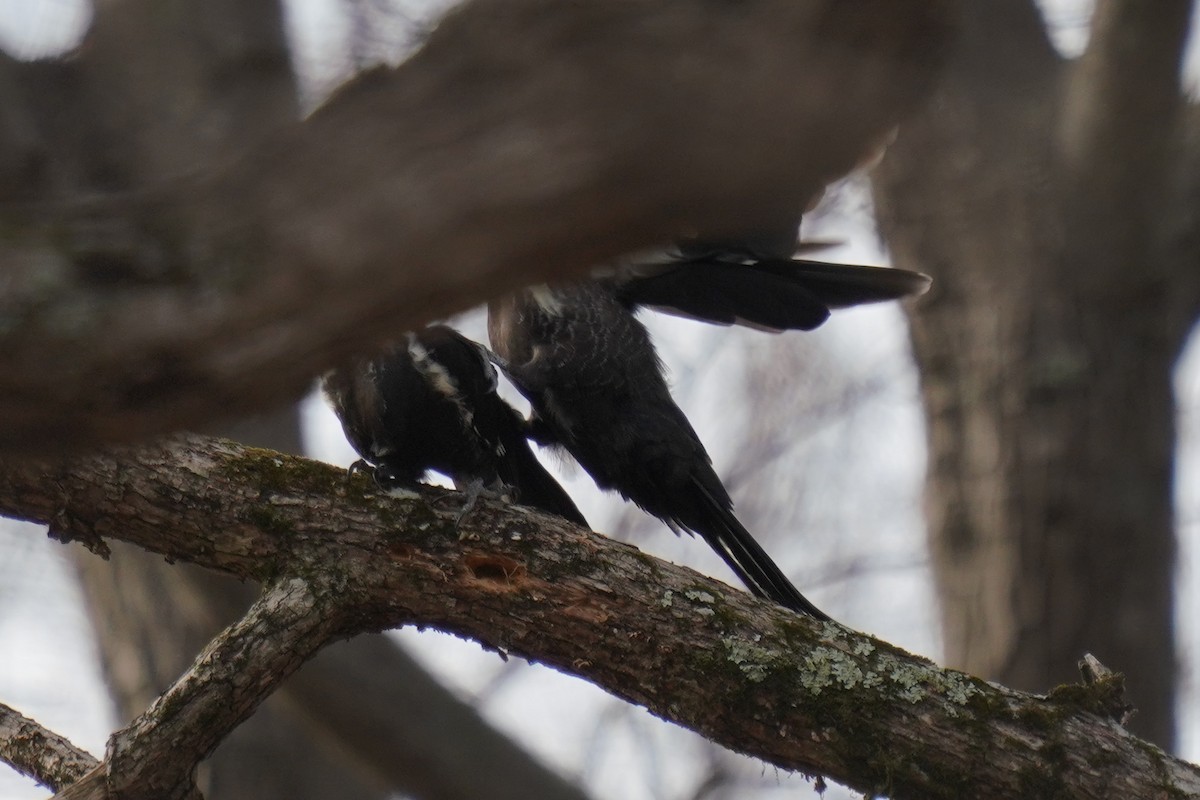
{"points": [[597, 388], [430, 403]]}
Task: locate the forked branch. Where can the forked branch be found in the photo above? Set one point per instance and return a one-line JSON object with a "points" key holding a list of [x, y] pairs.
{"points": [[802, 695]]}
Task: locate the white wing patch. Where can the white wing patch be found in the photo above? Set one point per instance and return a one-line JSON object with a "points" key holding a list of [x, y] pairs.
{"points": [[442, 382]]}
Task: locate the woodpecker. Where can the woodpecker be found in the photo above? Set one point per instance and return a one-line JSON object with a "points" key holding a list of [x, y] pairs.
{"points": [[429, 402], [597, 387]]}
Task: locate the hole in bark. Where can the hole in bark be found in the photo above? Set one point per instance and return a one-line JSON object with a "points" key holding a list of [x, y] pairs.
{"points": [[494, 568]]}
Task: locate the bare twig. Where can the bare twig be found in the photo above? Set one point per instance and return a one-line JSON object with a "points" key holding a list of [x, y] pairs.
{"points": [[1096, 674]]}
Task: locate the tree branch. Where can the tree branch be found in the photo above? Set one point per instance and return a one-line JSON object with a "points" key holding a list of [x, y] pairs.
{"points": [[156, 755], [528, 139], [364, 703], [799, 694], [402, 727], [41, 754]]}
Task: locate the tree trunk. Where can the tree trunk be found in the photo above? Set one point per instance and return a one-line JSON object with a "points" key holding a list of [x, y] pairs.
{"points": [[1045, 351]]}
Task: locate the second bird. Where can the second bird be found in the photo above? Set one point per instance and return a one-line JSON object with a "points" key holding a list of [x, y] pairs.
{"points": [[597, 388], [430, 403]]}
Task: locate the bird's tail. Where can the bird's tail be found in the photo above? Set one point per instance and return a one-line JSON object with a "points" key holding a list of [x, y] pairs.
{"points": [[534, 486], [842, 285], [746, 557]]}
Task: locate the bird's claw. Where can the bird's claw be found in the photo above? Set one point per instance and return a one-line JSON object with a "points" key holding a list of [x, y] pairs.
{"points": [[473, 490], [472, 494], [361, 465]]}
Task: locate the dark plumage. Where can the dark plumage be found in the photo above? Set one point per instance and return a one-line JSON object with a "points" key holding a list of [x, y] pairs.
{"points": [[597, 388], [724, 284], [430, 403]]}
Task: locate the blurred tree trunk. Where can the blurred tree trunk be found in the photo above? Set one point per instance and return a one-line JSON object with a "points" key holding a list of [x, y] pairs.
{"points": [[1039, 193]]}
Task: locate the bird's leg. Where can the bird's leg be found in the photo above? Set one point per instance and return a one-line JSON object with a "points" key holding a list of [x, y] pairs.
{"points": [[473, 489]]}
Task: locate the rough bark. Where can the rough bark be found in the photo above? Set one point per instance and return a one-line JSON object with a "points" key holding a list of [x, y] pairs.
{"points": [[156, 755], [39, 753], [1039, 193], [360, 720], [215, 259], [151, 618], [797, 693]]}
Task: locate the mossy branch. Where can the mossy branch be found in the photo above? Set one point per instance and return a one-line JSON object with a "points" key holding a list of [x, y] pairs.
{"points": [[805, 696]]}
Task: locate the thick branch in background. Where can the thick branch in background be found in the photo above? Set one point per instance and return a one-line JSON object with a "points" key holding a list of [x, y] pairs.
{"points": [[526, 140], [796, 693], [1047, 345]]}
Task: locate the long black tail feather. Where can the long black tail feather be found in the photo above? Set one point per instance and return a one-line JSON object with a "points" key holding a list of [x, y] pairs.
{"points": [[842, 285], [745, 556]]}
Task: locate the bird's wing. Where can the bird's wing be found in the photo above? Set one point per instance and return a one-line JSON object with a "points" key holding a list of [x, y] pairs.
{"points": [[772, 295]]}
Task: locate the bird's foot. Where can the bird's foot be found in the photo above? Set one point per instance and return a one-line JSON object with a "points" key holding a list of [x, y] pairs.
{"points": [[473, 490]]}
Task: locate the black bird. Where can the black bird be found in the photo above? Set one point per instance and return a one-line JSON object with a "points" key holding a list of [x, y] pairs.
{"points": [[756, 281], [597, 388], [430, 403]]}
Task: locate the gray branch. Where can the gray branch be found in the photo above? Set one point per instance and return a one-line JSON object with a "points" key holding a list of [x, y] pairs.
{"points": [[798, 694], [156, 755], [412, 731], [41, 754]]}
